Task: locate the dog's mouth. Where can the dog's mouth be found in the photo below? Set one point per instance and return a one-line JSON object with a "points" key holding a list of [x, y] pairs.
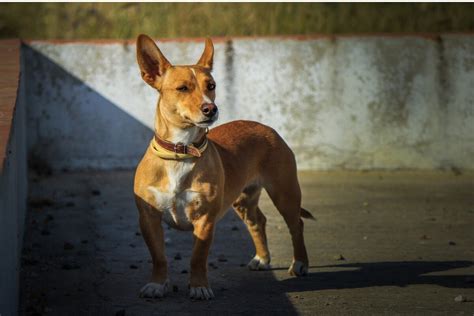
{"points": [[208, 122]]}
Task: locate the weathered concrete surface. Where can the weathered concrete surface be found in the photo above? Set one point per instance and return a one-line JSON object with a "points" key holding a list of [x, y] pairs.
{"points": [[343, 102], [13, 174], [406, 238]]}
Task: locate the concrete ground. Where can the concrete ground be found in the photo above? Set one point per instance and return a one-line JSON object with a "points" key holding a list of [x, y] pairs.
{"points": [[383, 243]]}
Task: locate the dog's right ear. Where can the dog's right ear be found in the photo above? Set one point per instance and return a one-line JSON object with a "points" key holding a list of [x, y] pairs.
{"points": [[151, 60]]}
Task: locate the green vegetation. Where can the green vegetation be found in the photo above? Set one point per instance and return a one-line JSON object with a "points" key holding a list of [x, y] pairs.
{"points": [[126, 20]]}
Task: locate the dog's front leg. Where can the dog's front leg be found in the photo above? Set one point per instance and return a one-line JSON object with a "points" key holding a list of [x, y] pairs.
{"points": [[152, 231], [203, 235]]}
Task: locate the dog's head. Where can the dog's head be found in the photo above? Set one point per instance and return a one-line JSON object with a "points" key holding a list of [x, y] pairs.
{"points": [[187, 92]]}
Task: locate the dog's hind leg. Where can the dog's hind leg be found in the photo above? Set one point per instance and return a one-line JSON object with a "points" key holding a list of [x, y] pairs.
{"points": [[246, 206], [284, 191]]}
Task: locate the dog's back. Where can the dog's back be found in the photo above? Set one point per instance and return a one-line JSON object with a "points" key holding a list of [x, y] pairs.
{"points": [[253, 141], [253, 145]]}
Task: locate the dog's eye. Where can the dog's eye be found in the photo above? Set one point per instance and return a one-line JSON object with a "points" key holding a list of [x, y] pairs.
{"points": [[211, 86], [182, 88]]}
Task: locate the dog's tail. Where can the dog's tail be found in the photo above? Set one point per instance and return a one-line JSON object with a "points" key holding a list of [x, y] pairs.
{"points": [[307, 214]]}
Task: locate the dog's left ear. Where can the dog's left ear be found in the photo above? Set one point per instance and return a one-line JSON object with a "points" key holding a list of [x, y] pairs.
{"points": [[207, 57]]}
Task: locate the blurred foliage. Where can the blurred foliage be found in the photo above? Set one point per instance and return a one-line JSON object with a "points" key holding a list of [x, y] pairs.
{"points": [[126, 20]]}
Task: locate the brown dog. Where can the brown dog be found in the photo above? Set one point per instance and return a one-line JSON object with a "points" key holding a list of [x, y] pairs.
{"points": [[189, 178]]}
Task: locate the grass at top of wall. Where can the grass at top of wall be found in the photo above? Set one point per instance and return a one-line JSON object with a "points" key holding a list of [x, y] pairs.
{"points": [[126, 20]]}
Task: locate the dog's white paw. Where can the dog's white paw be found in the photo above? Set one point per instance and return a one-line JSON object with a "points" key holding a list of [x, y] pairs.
{"points": [[258, 263], [201, 293], [298, 268], [153, 290]]}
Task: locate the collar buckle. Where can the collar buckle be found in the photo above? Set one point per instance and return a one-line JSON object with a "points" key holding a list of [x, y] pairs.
{"points": [[180, 148]]}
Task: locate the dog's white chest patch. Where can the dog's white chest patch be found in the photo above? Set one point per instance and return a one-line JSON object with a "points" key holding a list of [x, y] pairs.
{"points": [[174, 201]]}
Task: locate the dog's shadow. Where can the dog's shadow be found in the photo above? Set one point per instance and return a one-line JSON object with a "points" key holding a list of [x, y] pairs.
{"points": [[370, 274]]}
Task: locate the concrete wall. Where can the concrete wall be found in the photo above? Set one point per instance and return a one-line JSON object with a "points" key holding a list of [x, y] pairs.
{"points": [[13, 187], [344, 102]]}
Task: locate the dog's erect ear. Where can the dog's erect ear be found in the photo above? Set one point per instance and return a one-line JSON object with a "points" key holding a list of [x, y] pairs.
{"points": [[207, 57], [151, 60]]}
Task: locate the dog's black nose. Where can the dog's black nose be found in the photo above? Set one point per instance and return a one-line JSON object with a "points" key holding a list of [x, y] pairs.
{"points": [[209, 109]]}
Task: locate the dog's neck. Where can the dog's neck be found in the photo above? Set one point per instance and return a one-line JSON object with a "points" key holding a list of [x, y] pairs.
{"points": [[170, 132]]}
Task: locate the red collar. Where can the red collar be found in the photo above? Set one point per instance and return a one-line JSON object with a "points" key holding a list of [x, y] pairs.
{"points": [[180, 148]]}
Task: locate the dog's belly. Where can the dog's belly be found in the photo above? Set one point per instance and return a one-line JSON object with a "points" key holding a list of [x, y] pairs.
{"points": [[177, 207]]}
